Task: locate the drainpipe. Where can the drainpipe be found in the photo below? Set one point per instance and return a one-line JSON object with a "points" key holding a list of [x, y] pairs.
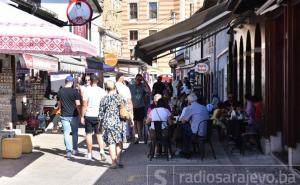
{"points": [[215, 81]]}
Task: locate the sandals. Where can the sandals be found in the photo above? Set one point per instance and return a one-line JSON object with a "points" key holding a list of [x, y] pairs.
{"points": [[113, 166], [102, 157], [116, 166]]}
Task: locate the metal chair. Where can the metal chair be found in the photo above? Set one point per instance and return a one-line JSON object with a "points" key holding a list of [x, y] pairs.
{"points": [[235, 129], [206, 139], [159, 139]]}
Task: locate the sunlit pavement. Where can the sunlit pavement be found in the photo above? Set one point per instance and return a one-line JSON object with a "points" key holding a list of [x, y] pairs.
{"points": [[48, 165]]}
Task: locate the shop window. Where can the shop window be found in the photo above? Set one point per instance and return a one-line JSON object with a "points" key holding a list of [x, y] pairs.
{"points": [[152, 10], [133, 10]]}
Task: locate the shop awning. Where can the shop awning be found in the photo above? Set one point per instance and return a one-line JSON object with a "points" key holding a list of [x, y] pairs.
{"points": [[21, 32], [70, 65], [174, 61], [178, 34], [268, 6], [129, 63], [95, 65], [39, 61]]}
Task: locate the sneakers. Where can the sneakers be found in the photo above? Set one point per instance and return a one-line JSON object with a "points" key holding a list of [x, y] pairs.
{"points": [[89, 156], [136, 140], [69, 154], [75, 152]]}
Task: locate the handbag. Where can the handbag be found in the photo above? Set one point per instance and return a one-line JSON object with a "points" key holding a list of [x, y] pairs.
{"points": [[124, 114]]}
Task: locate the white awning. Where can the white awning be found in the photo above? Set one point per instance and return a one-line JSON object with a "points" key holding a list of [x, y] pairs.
{"points": [[39, 61], [21, 32], [69, 64]]}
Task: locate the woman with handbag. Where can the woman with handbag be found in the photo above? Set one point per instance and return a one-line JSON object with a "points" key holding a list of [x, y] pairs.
{"points": [[113, 117], [162, 115]]}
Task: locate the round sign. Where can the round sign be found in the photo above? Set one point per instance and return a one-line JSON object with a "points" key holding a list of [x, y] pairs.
{"points": [[201, 68], [79, 12], [110, 59]]}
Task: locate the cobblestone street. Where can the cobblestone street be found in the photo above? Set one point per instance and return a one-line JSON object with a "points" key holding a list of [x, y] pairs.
{"points": [[48, 165]]}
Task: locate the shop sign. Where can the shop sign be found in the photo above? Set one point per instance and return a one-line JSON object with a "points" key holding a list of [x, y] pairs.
{"points": [[79, 12], [110, 59], [35, 62], [81, 31], [201, 68]]}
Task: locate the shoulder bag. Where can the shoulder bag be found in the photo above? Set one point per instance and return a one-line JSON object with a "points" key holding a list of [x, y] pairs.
{"points": [[124, 114]]}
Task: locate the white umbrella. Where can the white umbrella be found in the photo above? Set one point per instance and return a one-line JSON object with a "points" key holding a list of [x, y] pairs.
{"points": [[21, 32]]}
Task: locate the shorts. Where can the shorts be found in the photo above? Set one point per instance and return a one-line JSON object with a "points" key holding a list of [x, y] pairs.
{"points": [[139, 114], [92, 125]]}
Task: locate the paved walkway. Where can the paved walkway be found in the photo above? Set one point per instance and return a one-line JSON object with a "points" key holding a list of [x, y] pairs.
{"points": [[47, 165]]}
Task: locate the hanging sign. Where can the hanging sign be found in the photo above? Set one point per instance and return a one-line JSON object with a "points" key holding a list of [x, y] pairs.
{"points": [[81, 31], [201, 68], [110, 59], [79, 12]]}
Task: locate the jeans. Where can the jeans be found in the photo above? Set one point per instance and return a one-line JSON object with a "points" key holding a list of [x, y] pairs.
{"points": [[186, 137], [70, 124]]}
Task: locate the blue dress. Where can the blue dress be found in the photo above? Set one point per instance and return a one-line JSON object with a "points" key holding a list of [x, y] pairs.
{"points": [[109, 116]]}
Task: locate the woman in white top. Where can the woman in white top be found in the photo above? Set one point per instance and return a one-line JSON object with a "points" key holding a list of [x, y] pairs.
{"points": [[160, 113]]}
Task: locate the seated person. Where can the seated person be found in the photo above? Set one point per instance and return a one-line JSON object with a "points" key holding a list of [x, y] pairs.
{"points": [[55, 116], [177, 136], [154, 104], [162, 114], [218, 118], [192, 119]]}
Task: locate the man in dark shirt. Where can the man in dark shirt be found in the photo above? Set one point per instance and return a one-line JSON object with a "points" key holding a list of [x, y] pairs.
{"points": [[158, 87], [69, 101]]}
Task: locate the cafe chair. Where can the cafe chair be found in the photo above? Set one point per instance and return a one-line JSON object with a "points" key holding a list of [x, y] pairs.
{"points": [[234, 130], [246, 139], [206, 139], [159, 140]]}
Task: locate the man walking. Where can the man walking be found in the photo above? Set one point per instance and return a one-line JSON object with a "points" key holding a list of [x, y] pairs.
{"points": [[158, 87], [139, 91], [69, 101], [90, 110], [85, 86]]}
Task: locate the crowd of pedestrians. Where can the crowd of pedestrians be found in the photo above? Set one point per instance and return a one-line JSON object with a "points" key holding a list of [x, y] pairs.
{"points": [[173, 106]]}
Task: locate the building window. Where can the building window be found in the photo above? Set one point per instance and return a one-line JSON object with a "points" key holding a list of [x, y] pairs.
{"points": [[152, 10], [133, 10], [133, 35], [151, 32]]}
